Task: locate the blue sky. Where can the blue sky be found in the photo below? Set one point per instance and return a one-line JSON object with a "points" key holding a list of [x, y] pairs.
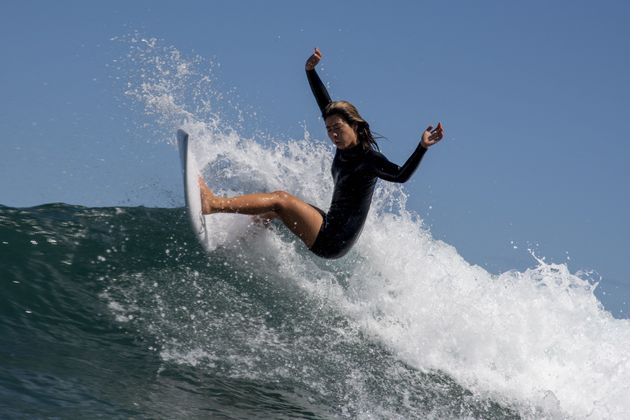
{"points": [[534, 96]]}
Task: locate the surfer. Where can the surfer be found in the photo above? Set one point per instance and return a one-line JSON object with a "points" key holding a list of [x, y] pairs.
{"points": [[356, 166]]}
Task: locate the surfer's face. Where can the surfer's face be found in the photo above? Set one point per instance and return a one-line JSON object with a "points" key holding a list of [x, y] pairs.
{"points": [[341, 133]]}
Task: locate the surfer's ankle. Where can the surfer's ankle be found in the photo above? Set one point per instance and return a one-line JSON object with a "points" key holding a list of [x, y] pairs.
{"points": [[206, 208], [207, 198]]}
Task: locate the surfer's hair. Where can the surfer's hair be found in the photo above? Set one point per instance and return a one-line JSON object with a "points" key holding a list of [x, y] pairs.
{"points": [[349, 113]]}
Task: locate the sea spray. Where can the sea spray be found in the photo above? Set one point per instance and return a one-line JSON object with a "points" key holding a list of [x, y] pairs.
{"points": [[532, 336], [537, 340]]}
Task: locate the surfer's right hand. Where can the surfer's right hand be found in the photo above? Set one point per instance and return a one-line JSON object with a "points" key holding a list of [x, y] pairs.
{"points": [[432, 135], [313, 59]]}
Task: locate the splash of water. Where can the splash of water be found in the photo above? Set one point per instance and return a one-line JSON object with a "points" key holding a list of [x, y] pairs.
{"points": [[538, 339]]}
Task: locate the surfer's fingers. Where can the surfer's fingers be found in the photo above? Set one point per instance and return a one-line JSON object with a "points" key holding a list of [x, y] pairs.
{"points": [[435, 137], [437, 133]]}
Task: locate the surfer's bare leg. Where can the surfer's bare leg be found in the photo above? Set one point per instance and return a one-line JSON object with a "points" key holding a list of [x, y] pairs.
{"points": [[302, 219]]}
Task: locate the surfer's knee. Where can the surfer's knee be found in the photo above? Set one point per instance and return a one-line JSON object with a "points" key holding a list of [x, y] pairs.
{"points": [[282, 200]]}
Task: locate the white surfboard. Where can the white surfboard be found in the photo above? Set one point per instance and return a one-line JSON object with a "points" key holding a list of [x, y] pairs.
{"points": [[191, 189]]}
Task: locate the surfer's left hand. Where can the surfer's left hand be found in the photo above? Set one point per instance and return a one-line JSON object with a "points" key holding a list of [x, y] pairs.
{"points": [[314, 59], [432, 135]]}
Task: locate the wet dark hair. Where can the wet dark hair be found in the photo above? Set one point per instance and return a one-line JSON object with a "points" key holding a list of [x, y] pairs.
{"points": [[349, 113]]}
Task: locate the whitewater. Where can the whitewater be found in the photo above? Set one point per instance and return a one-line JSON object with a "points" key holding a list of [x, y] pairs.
{"points": [[402, 327]]}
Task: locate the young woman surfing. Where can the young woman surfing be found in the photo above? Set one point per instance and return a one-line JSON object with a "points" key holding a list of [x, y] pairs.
{"points": [[356, 166]]}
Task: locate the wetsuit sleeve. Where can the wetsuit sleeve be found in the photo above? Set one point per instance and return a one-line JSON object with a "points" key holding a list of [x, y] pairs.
{"points": [[389, 171], [319, 90]]}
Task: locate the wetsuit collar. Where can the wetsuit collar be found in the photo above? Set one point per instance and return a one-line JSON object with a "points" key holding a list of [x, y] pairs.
{"points": [[351, 151]]}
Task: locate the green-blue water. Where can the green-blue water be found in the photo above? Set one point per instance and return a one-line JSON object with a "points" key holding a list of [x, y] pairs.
{"points": [[117, 312]]}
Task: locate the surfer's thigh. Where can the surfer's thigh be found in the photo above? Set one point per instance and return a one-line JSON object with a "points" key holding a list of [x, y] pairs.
{"points": [[301, 218]]}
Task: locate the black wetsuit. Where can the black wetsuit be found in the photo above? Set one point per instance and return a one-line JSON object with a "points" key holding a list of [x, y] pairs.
{"points": [[354, 172]]}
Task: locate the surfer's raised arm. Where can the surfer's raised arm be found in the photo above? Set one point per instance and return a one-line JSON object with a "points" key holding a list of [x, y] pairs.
{"points": [[317, 86]]}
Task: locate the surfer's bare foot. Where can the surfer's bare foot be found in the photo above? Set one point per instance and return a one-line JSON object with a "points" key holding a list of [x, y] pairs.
{"points": [[206, 197]]}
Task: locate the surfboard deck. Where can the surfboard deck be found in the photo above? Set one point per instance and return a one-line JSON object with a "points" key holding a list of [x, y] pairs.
{"points": [[192, 195]]}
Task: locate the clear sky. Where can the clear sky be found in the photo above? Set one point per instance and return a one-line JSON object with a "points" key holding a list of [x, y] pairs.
{"points": [[534, 96]]}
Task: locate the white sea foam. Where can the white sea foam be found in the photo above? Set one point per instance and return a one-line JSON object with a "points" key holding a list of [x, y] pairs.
{"points": [[539, 339]]}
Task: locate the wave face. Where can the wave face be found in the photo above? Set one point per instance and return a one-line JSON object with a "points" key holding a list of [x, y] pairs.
{"points": [[118, 311]]}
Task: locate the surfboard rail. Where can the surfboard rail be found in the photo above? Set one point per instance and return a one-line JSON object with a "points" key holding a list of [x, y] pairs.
{"points": [[192, 194]]}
